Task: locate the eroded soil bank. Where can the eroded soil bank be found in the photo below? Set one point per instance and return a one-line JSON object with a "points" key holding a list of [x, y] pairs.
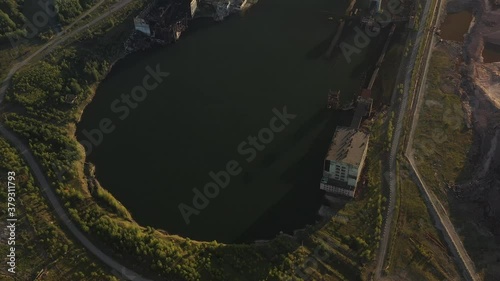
{"points": [[474, 203]]}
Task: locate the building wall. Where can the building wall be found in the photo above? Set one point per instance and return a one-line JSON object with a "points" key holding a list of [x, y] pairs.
{"points": [[336, 190], [342, 172], [142, 26]]}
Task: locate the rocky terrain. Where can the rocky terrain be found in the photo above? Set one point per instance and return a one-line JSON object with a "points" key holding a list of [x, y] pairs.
{"points": [[485, 29], [479, 199]]}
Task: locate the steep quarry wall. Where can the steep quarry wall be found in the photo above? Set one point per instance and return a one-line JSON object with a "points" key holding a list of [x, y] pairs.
{"points": [[486, 28], [479, 198]]}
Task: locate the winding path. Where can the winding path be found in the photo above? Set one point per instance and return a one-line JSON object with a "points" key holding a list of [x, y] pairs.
{"points": [[60, 211], [34, 166]]}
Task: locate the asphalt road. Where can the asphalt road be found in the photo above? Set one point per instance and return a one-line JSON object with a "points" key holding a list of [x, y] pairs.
{"points": [[391, 174], [34, 166]]}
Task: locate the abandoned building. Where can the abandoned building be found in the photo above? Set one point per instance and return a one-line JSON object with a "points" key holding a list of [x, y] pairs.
{"points": [[165, 20], [344, 161]]}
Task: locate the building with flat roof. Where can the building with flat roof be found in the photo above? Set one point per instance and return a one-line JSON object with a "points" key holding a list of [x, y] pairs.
{"points": [[344, 161]]}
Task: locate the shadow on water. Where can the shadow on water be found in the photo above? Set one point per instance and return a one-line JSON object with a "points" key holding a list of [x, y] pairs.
{"points": [[319, 50], [305, 179], [225, 80]]}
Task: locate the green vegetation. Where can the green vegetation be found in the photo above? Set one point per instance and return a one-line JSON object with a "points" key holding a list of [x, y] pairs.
{"points": [[389, 72], [442, 144], [42, 247], [11, 21], [68, 10], [442, 139], [49, 143], [417, 250], [14, 14], [340, 248], [107, 200]]}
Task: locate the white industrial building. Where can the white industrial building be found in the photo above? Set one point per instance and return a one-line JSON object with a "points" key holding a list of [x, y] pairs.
{"points": [[344, 161], [142, 26]]}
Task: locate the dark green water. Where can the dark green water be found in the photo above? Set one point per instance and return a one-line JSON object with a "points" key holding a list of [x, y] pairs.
{"points": [[225, 79], [491, 52]]}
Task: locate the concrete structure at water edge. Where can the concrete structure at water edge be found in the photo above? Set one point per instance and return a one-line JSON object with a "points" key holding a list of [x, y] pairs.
{"points": [[224, 8], [363, 108], [344, 161], [142, 26], [164, 20], [194, 7]]}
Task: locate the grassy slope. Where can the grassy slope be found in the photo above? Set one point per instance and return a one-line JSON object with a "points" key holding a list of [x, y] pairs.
{"points": [[418, 252], [42, 246], [448, 161], [442, 140]]}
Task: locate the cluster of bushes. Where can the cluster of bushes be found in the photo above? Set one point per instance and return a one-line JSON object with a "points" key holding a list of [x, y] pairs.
{"points": [[51, 89], [42, 242], [107, 200], [11, 20], [68, 10], [51, 144]]}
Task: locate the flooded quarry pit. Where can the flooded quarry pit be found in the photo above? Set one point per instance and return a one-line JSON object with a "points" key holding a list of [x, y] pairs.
{"points": [[456, 25], [229, 145]]}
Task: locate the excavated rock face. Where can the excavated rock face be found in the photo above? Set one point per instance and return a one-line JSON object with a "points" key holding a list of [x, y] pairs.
{"points": [[480, 90], [484, 78], [486, 29]]}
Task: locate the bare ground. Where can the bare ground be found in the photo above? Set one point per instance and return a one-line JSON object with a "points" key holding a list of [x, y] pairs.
{"points": [[476, 203]]}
